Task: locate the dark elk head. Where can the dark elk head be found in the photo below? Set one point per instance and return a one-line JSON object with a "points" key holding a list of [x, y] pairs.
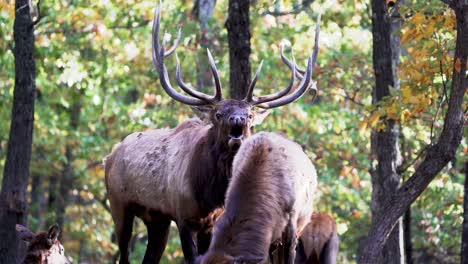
{"points": [[43, 247], [233, 119]]}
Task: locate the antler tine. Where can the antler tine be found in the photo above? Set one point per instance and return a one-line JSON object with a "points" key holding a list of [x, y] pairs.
{"points": [[316, 41], [299, 72], [158, 54], [249, 97], [188, 89], [218, 91], [306, 80], [176, 43], [277, 95]]}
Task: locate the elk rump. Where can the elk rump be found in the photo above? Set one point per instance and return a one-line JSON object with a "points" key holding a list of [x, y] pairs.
{"points": [[268, 199]]}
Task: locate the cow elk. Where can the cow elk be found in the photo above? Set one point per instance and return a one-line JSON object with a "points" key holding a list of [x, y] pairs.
{"points": [[319, 242], [269, 199], [43, 247], [182, 174]]}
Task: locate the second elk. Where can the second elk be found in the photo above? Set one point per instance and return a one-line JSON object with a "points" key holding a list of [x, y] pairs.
{"points": [[268, 199], [318, 243]]}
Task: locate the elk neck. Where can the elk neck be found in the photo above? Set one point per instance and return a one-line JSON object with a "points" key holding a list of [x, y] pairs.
{"points": [[211, 170]]}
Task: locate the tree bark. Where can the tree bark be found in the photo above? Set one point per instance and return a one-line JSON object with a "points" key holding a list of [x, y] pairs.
{"points": [[36, 191], [203, 10], [238, 27], [68, 174], [437, 155], [464, 244], [384, 144], [407, 237], [13, 204]]}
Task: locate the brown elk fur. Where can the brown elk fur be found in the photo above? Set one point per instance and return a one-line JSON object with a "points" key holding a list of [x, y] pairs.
{"points": [[44, 247], [270, 195], [178, 174], [318, 242]]}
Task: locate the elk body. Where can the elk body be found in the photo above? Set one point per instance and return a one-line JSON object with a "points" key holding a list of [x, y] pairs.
{"points": [[181, 174], [268, 199], [319, 242], [43, 247]]}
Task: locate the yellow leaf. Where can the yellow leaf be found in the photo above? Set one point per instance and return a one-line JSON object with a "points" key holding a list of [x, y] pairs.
{"points": [[429, 30], [374, 119], [418, 19], [413, 99], [406, 91], [362, 128]]}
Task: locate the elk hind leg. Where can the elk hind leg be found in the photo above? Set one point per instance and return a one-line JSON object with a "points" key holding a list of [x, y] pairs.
{"points": [[158, 233], [290, 241], [330, 250], [123, 220]]}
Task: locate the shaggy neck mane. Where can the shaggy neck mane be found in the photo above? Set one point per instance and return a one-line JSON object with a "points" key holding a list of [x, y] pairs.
{"points": [[210, 171]]}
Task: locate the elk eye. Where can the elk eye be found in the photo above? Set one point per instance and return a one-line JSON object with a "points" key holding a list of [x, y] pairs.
{"points": [[250, 116], [219, 115]]}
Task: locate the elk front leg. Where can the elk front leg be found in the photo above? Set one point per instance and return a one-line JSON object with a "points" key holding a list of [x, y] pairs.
{"points": [[290, 243], [188, 238]]}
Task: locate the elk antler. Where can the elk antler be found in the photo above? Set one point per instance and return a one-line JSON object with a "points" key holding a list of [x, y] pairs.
{"points": [[280, 98], [159, 54]]}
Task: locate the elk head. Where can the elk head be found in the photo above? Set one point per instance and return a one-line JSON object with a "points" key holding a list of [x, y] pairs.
{"points": [[233, 119], [44, 247]]}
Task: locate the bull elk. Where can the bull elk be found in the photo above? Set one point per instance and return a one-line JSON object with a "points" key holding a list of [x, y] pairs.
{"points": [[43, 247], [319, 242], [268, 199], [181, 174]]}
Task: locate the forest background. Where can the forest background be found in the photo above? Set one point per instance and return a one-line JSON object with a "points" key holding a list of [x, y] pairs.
{"points": [[95, 85]]}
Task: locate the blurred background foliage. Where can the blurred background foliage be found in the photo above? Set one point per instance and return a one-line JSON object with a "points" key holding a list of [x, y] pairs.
{"points": [[94, 58]]}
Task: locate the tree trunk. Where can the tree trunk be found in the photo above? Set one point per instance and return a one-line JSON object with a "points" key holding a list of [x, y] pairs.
{"points": [[407, 237], [437, 155], [464, 244], [36, 197], [53, 199], [13, 204], [384, 144], [238, 27], [68, 177], [203, 10]]}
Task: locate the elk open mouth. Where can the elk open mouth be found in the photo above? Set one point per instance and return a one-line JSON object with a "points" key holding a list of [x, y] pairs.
{"points": [[235, 136]]}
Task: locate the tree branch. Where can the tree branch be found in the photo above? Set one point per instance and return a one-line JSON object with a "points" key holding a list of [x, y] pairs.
{"points": [[39, 14]]}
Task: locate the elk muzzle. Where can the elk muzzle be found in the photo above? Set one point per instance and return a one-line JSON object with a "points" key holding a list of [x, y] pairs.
{"points": [[238, 123]]}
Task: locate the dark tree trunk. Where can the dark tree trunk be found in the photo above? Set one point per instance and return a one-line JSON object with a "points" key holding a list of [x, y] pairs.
{"points": [[238, 27], [36, 191], [384, 144], [13, 204], [203, 10], [53, 199], [407, 237], [437, 155], [464, 244], [68, 177]]}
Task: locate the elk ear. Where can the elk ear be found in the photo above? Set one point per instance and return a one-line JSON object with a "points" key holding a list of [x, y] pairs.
{"points": [[24, 233], [203, 112], [260, 116], [53, 233]]}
